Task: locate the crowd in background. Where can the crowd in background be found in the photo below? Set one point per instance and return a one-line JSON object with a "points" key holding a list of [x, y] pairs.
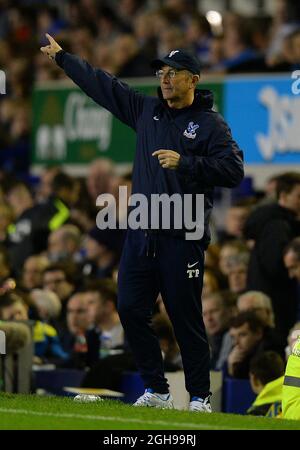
{"points": [[122, 37], [58, 271]]}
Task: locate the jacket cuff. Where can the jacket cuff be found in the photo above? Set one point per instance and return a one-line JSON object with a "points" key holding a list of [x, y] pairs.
{"points": [[59, 57], [185, 166]]}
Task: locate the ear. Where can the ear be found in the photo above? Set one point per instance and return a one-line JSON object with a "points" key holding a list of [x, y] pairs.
{"points": [[195, 80]]}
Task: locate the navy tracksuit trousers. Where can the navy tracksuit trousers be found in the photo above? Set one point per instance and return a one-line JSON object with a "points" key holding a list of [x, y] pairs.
{"points": [[174, 267]]}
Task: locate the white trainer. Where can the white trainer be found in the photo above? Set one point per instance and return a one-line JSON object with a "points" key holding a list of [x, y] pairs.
{"points": [[200, 405], [155, 400]]}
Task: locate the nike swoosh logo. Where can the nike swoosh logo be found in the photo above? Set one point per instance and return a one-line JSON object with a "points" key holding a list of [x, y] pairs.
{"points": [[155, 118], [192, 265]]}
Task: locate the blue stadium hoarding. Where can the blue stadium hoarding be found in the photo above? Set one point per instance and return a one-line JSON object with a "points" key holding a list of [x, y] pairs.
{"points": [[264, 115]]}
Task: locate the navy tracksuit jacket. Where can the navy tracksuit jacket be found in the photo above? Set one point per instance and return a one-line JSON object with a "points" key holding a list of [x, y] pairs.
{"points": [[164, 261]]}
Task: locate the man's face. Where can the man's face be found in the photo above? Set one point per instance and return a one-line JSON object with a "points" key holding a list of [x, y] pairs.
{"points": [[244, 338], [292, 264], [225, 254], [17, 311], [95, 307], [77, 316], [55, 242], [177, 87], [32, 273], [291, 200], [235, 221], [214, 315], [93, 249], [237, 278], [56, 282]]}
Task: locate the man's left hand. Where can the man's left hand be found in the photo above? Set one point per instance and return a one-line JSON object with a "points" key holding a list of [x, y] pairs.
{"points": [[168, 159]]}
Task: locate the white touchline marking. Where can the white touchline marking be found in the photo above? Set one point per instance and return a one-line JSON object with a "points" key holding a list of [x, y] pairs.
{"points": [[118, 419]]}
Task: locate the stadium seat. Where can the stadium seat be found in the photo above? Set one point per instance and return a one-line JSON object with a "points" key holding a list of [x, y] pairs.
{"points": [[237, 396]]}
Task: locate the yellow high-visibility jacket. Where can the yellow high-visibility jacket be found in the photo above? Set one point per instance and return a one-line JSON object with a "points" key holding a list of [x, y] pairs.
{"points": [[268, 402], [291, 389]]}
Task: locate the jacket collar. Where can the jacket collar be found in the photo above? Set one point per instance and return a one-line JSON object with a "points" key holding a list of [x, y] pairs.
{"points": [[204, 99]]}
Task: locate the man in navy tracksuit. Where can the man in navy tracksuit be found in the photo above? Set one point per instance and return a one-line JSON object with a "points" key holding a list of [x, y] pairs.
{"points": [[183, 147]]}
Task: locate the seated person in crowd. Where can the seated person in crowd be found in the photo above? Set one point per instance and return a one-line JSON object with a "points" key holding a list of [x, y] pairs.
{"points": [[31, 276], [217, 314], [105, 335], [47, 347], [248, 335], [108, 372], [237, 272], [261, 305], [235, 219], [266, 379], [103, 249], [227, 250], [73, 337], [60, 279], [47, 305], [64, 244]]}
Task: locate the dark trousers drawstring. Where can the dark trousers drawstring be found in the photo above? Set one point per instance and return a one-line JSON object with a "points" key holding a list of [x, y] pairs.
{"points": [[151, 245]]}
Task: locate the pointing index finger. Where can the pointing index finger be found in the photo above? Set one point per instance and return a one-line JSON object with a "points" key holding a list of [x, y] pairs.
{"points": [[50, 38]]}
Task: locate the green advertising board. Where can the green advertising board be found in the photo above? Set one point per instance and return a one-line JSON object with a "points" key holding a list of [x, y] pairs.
{"points": [[70, 128]]}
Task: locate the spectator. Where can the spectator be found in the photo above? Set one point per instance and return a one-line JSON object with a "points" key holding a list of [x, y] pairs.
{"points": [[73, 337], [28, 234], [6, 218], [266, 379], [247, 332], [240, 54], [48, 305], [64, 244], [45, 187], [216, 316], [103, 249], [272, 227], [292, 337], [292, 258], [259, 303], [237, 272], [210, 282], [107, 333], [199, 36], [60, 279], [235, 220], [47, 346], [33, 269], [5, 268], [99, 173], [229, 249], [129, 61]]}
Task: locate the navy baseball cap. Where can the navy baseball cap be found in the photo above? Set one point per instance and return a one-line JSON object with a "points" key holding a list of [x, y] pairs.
{"points": [[179, 59]]}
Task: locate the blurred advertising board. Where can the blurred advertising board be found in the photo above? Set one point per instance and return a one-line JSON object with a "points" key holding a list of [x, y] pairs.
{"points": [[264, 115], [69, 128]]}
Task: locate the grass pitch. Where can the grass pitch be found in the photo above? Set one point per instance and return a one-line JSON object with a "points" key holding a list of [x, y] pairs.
{"points": [[32, 412]]}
